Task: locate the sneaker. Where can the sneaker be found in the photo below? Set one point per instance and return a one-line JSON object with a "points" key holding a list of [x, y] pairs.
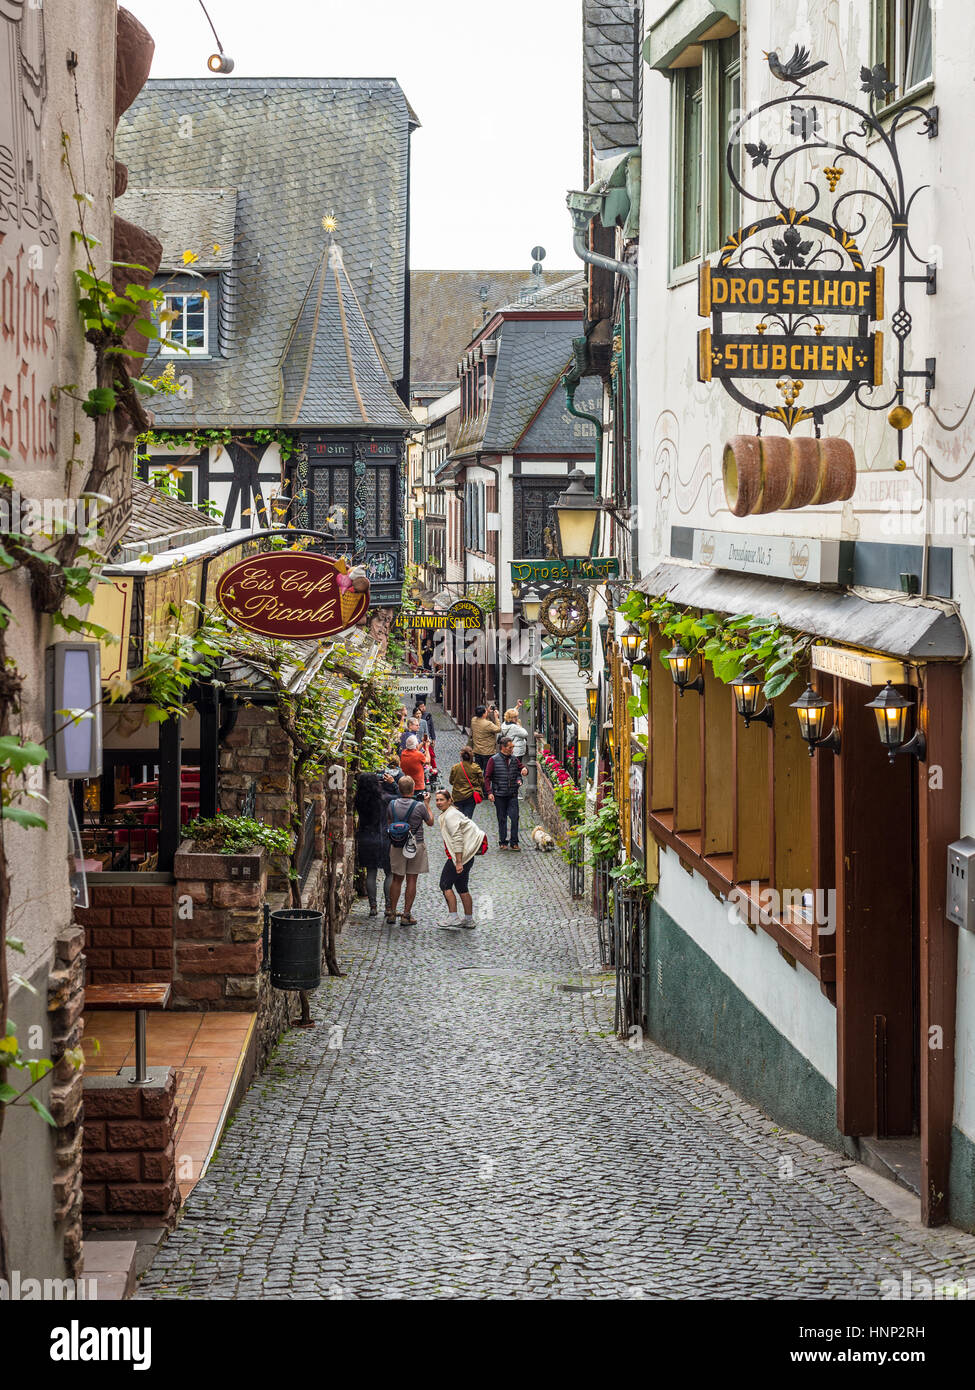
{"points": [[468, 923], [452, 921], [373, 912]]}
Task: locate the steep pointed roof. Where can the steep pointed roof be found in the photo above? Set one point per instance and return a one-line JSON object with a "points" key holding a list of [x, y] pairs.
{"points": [[332, 371]]}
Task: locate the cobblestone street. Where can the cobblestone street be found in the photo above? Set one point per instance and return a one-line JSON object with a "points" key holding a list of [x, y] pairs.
{"points": [[463, 1123]]}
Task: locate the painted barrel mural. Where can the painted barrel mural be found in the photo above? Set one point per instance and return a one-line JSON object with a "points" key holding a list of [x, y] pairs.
{"points": [[771, 473]]}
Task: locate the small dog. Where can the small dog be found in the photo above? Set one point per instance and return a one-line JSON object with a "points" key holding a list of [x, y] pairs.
{"points": [[542, 840]]}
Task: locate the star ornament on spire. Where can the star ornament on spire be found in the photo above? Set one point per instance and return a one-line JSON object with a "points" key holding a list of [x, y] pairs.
{"points": [[330, 222]]}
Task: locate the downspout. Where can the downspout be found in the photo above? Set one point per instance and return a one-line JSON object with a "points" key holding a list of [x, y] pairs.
{"points": [[580, 222], [571, 381]]}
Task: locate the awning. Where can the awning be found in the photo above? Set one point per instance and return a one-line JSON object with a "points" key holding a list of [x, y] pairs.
{"points": [[912, 629], [562, 678]]}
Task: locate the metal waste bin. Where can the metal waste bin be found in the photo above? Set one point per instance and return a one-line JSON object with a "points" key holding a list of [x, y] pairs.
{"points": [[296, 948]]}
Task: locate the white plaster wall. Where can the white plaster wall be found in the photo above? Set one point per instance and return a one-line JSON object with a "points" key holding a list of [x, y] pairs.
{"points": [[790, 999], [683, 423]]}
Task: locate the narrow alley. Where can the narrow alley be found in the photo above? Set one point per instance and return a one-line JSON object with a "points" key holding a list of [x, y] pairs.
{"points": [[463, 1123]]}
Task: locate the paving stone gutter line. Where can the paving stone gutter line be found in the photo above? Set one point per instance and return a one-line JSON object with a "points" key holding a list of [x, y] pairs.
{"points": [[463, 1123]]}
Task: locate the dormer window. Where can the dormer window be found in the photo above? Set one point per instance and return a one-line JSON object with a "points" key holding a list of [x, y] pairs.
{"points": [[188, 330]]}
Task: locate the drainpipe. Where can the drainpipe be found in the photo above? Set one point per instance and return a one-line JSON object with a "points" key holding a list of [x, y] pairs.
{"points": [[580, 222]]}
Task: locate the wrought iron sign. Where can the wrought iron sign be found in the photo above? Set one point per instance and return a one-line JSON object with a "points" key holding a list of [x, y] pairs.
{"points": [[791, 299], [464, 613]]}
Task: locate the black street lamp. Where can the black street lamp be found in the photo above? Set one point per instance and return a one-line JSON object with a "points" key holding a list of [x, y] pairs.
{"points": [[811, 711], [576, 513], [747, 691], [890, 708], [679, 661]]}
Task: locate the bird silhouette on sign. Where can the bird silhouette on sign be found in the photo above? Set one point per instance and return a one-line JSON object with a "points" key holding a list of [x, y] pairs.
{"points": [[795, 69]]}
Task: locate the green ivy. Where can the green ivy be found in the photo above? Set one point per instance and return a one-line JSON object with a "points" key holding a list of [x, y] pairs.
{"points": [[237, 835]]}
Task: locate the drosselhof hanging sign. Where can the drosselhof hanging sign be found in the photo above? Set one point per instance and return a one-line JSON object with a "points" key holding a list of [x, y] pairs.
{"points": [[288, 594]]}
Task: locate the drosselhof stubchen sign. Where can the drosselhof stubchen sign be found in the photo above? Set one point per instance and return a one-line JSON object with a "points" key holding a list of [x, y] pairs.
{"points": [[289, 595]]}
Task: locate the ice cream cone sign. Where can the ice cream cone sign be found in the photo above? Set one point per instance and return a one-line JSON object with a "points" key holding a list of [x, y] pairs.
{"points": [[353, 582]]}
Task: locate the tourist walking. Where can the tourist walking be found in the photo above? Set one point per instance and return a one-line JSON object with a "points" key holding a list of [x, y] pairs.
{"points": [[512, 728], [502, 780], [371, 840], [463, 841], [405, 818], [412, 727], [466, 782], [414, 761], [485, 727]]}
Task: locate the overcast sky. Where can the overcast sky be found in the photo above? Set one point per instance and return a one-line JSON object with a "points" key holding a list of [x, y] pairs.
{"points": [[497, 86]]}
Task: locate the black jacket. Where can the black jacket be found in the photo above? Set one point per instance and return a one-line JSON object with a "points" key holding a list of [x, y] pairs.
{"points": [[502, 776]]}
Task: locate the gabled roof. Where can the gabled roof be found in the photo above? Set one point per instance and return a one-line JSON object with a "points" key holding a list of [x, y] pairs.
{"points": [[199, 220], [532, 354], [611, 75], [332, 371], [295, 149], [448, 307]]}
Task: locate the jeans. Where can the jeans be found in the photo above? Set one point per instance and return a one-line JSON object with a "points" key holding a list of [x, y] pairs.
{"points": [[466, 808], [482, 760], [507, 806], [371, 887]]}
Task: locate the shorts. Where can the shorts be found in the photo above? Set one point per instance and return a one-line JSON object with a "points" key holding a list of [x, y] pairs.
{"points": [[450, 878], [400, 866]]}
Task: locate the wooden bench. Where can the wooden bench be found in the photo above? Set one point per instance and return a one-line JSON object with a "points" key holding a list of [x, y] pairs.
{"points": [[122, 998]]}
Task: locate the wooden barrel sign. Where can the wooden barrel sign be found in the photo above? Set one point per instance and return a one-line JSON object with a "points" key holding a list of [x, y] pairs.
{"points": [[291, 595], [772, 473]]}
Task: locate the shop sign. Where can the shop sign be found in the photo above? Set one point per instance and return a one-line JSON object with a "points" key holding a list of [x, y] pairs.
{"points": [[802, 558], [413, 687], [289, 595], [464, 613], [592, 571], [857, 666]]}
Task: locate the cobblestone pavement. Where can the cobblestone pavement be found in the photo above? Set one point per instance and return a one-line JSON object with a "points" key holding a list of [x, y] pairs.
{"points": [[464, 1124]]}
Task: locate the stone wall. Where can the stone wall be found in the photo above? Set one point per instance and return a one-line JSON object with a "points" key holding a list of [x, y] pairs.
{"points": [[218, 929], [548, 813], [66, 1001], [128, 931], [129, 1150]]}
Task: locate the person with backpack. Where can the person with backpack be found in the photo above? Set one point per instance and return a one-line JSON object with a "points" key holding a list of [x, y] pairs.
{"points": [[466, 783], [511, 728], [463, 841], [502, 780], [405, 819]]}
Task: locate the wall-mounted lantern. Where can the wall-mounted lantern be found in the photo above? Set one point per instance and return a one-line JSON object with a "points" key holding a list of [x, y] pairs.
{"points": [[631, 639], [531, 605], [679, 661], [811, 711], [592, 699], [609, 740], [74, 682], [890, 708], [747, 691], [576, 512]]}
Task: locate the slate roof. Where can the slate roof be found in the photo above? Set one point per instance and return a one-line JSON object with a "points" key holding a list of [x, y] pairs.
{"points": [[532, 353], [611, 35], [447, 309], [158, 523], [201, 220], [332, 370], [294, 149]]}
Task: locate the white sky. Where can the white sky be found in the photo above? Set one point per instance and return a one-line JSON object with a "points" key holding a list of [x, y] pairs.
{"points": [[497, 85]]}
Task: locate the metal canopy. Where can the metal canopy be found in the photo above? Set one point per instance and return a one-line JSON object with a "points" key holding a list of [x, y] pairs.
{"points": [[563, 680], [912, 629]]}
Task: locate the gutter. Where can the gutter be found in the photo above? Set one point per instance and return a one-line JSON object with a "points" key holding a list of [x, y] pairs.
{"points": [[570, 381]]}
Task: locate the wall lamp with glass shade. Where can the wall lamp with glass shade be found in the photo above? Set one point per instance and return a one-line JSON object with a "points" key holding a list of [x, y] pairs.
{"points": [[576, 514], [811, 711], [890, 708], [609, 739], [747, 691], [73, 681], [592, 699], [531, 605], [631, 639], [679, 660]]}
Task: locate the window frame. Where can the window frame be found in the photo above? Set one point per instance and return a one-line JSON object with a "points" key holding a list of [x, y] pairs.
{"points": [[181, 349], [715, 68], [904, 94]]}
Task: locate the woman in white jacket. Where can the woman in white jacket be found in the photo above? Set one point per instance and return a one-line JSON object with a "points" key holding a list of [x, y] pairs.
{"points": [[463, 841], [511, 728]]}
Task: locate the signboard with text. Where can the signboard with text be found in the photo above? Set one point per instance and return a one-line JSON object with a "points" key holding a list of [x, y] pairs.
{"points": [[290, 595], [592, 571], [464, 613], [803, 558]]}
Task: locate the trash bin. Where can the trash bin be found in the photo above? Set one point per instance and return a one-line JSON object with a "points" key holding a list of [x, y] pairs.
{"points": [[296, 948]]}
